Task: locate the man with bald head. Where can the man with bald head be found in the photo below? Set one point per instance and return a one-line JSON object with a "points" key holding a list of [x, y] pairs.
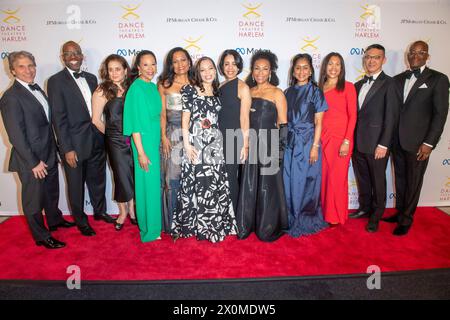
{"points": [[422, 119], [80, 143]]}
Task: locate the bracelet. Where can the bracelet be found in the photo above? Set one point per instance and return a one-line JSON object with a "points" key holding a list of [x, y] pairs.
{"points": [[346, 142], [316, 145]]}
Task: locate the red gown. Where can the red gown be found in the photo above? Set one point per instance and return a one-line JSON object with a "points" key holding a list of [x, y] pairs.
{"points": [[338, 124]]}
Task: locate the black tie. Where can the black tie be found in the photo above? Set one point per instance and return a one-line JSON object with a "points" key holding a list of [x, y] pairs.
{"points": [[368, 79], [78, 74], [415, 72], [34, 87]]}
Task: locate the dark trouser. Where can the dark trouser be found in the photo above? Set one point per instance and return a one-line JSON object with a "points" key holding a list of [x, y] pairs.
{"points": [[92, 172], [409, 174], [371, 179], [38, 194]]}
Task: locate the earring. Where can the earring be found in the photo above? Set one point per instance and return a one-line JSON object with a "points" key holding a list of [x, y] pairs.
{"points": [[253, 79], [270, 77]]}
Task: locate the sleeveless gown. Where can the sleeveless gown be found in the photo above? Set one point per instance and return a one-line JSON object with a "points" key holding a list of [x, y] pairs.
{"points": [[171, 168], [262, 206], [119, 151], [229, 119]]}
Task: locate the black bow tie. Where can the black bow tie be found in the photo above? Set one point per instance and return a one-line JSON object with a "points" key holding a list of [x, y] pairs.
{"points": [[415, 72], [78, 74], [34, 87], [368, 79]]}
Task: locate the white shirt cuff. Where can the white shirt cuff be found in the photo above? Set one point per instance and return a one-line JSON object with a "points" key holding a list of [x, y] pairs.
{"points": [[427, 144], [382, 147]]}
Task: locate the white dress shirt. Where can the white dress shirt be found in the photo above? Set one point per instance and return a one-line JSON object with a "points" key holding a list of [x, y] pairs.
{"points": [[84, 88], [39, 96]]}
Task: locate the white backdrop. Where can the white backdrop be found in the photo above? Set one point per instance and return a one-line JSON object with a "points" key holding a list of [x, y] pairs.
{"points": [[203, 27]]}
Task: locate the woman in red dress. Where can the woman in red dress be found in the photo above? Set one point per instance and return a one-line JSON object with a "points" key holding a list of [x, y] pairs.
{"points": [[337, 138]]}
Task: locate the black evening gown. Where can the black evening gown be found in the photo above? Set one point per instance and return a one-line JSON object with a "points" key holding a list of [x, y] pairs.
{"points": [[262, 206], [119, 151], [229, 119]]}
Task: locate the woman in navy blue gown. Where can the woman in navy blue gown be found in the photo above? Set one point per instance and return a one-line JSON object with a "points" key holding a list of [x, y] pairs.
{"points": [[302, 157]]}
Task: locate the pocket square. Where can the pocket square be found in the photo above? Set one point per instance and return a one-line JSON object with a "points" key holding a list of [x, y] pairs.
{"points": [[423, 86]]}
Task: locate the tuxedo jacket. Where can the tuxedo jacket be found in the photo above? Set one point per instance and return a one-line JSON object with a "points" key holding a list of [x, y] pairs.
{"points": [[29, 130], [71, 119], [378, 115], [424, 112]]}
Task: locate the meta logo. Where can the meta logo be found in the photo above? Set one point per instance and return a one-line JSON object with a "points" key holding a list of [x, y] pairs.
{"points": [[357, 51], [4, 55], [127, 52], [247, 51], [446, 162]]}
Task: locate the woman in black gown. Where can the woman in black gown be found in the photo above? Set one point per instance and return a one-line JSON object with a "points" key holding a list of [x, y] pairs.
{"points": [[262, 206], [108, 101], [234, 118]]}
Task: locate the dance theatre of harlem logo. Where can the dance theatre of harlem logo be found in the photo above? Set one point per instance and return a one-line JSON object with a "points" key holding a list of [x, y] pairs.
{"points": [[310, 45], [251, 25], [368, 24], [445, 190], [11, 28], [131, 26], [192, 45]]}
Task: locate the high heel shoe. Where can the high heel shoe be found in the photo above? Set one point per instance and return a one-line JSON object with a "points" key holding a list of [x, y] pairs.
{"points": [[118, 226], [133, 221]]}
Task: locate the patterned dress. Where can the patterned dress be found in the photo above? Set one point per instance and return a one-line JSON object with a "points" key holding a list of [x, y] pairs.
{"points": [[204, 207]]}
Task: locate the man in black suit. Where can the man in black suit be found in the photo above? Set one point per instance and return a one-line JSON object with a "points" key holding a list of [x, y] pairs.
{"points": [[378, 108], [80, 143], [423, 114], [26, 115]]}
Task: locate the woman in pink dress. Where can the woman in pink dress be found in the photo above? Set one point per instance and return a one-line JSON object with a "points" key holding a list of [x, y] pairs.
{"points": [[337, 137]]}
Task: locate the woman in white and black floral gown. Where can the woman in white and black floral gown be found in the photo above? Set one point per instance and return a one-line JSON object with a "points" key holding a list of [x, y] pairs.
{"points": [[204, 207]]}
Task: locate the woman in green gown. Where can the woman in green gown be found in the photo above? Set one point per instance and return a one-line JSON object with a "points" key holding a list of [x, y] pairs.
{"points": [[141, 120]]}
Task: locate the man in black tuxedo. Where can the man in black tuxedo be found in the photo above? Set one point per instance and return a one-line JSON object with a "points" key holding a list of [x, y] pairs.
{"points": [[26, 115], [80, 143], [378, 108], [423, 114]]}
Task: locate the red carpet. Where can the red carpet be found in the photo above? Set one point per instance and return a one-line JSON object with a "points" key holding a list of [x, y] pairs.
{"points": [[112, 255]]}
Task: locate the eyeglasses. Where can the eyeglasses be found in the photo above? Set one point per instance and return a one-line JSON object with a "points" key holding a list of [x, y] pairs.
{"points": [[417, 53], [367, 57], [72, 53]]}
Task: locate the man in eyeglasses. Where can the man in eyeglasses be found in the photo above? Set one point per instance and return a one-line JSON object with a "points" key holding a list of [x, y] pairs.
{"points": [[423, 114], [80, 143], [378, 108], [27, 118]]}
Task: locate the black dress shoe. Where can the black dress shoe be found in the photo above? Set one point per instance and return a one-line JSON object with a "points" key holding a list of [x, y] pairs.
{"points": [[392, 219], [51, 243], [63, 224], [401, 230], [372, 227], [86, 230], [105, 217], [359, 214]]}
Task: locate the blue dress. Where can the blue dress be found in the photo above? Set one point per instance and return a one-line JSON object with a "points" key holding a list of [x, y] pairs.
{"points": [[301, 179]]}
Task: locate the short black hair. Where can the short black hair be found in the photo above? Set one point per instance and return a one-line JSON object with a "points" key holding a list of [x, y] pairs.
{"points": [[376, 46], [273, 61], [237, 59]]}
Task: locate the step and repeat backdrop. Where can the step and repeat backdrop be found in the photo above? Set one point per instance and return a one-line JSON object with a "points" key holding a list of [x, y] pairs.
{"points": [[203, 27]]}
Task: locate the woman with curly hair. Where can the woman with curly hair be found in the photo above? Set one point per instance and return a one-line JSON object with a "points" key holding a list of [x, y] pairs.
{"points": [[108, 100]]}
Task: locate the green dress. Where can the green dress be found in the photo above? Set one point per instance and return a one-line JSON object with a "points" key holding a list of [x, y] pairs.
{"points": [[142, 115]]}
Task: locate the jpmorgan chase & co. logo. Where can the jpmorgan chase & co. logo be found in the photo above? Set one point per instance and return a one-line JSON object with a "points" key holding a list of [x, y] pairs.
{"points": [[192, 45], [368, 24], [251, 25], [11, 28], [310, 45], [131, 26]]}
